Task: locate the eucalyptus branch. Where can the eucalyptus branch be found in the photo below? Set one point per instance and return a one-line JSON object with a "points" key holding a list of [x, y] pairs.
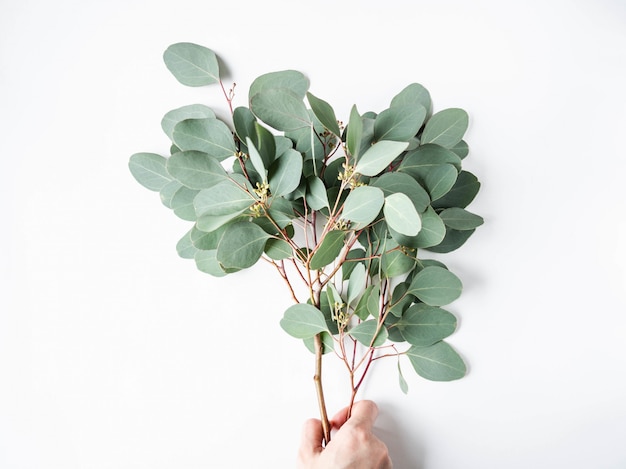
{"points": [[407, 192]]}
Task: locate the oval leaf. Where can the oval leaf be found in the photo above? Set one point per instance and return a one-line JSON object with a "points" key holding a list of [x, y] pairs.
{"points": [[355, 132], [365, 331], [399, 123], [363, 205], [211, 136], [436, 286], [437, 362], [191, 64], [391, 183], [424, 325], [446, 128], [206, 262], [241, 246], [440, 180], [292, 80], [303, 321], [281, 109], [325, 113], [149, 169], [329, 249], [222, 199], [460, 219], [192, 111], [379, 156], [413, 95], [462, 193], [400, 214], [195, 169], [285, 173]]}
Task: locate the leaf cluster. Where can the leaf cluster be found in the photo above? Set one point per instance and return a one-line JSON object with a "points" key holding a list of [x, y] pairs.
{"points": [[349, 208]]}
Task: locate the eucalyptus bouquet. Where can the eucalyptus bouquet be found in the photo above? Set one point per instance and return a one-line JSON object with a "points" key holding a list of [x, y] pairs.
{"points": [[343, 213]]}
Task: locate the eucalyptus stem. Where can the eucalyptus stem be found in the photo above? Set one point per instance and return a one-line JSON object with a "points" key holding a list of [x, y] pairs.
{"points": [[319, 350]]}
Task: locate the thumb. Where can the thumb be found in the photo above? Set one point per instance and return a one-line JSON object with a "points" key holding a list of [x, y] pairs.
{"points": [[311, 440], [364, 413]]}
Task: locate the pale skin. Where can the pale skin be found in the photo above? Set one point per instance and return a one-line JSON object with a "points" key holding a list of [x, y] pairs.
{"points": [[353, 446]]}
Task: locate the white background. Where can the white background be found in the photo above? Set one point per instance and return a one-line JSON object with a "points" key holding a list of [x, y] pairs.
{"points": [[115, 353]]}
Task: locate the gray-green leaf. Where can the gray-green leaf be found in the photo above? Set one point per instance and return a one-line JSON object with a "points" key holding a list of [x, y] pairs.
{"points": [[400, 214], [424, 325], [437, 362], [222, 199], [328, 250], [285, 173], [211, 136], [365, 332], [363, 205], [281, 109], [149, 169], [242, 245], [446, 128], [192, 111], [436, 286], [192, 64], [325, 113], [303, 321], [460, 219], [196, 170], [379, 156]]}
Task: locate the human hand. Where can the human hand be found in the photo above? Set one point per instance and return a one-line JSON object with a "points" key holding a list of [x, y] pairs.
{"points": [[354, 446]]}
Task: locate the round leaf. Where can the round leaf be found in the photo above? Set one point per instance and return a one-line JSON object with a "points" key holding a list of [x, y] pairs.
{"points": [[413, 95], [424, 325], [285, 173], [211, 136], [363, 205], [195, 169], [242, 245], [390, 183], [379, 156], [400, 214], [191, 64], [436, 286], [149, 169], [280, 109], [437, 362], [446, 128], [291, 80], [206, 262], [303, 321], [365, 331], [192, 111], [440, 180]]}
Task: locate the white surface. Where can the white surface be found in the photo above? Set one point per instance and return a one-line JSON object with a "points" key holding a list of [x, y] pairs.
{"points": [[115, 353]]}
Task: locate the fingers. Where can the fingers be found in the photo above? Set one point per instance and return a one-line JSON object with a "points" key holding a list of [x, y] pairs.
{"points": [[311, 440], [364, 413]]}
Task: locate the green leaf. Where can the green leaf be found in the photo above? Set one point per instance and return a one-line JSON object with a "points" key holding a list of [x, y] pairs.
{"points": [[400, 214], [291, 80], [285, 173], [420, 162], [460, 219], [357, 282], [355, 132], [278, 249], [182, 203], [349, 265], [211, 136], [265, 144], [191, 64], [255, 158], [303, 321], [461, 149], [316, 197], [195, 169], [436, 286], [185, 247], [399, 123], [168, 192], [432, 232], [379, 156], [446, 128], [453, 239], [328, 250], [462, 193], [424, 325], [281, 211], [242, 245], [395, 263], [401, 381], [363, 205], [192, 111], [413, 95], [395, 182], [437, 362], [222, 199], [206, 262], [327, 342], [369, 303], [149, 170], [245, 124], [365, 332], [206, 241], [325, 113], [440, 180], [210, 223], [281, 109]]}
